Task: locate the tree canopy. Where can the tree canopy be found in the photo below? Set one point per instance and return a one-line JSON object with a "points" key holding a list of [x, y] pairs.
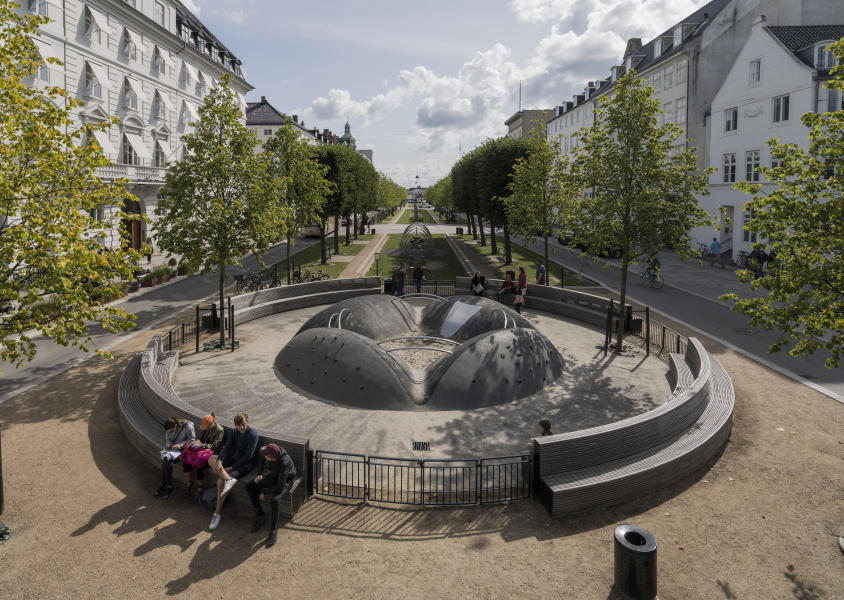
{"points": [[638, 186], [55, 271], [802, 222], [213, 207]]}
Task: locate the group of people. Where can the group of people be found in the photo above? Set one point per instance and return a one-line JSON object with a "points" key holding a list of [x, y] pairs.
{"points": [[400, 278], [510, 287], [230, 458]]}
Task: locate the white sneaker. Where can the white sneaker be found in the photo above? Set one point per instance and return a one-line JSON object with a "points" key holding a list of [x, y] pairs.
{"points": [[227, 486], [215, 521]]}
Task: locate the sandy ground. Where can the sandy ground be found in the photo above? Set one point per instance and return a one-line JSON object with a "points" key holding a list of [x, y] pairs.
{"points": [[761, 524]]}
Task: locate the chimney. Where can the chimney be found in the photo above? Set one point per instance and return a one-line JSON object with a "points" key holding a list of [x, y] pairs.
{"points": [[295, 118], [633, 46], [263, 99]]}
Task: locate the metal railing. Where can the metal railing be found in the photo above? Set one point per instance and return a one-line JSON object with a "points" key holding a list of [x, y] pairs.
{"points": [[655, 337], [206, 319], [435, 482], [437, 287]]}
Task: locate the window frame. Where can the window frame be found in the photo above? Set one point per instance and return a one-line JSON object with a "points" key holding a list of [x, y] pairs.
{"points": [[828, 58], [93, 86], [729, 163], [677, 36], [680, 113], [37, 7], [129, 48], [158, 157], [684, 71], [754, 74], [752, 162], [130, 98], [128, 155], [159, 12], [658, 81], [158, 61], [668, 76], [92, 28], [780, 112], [731, 120]]}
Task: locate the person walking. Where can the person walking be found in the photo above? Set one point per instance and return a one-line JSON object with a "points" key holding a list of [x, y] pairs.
{"points": [[715, 252], [276, 474], [522, 282], [177, 433], [418, 276], [399, 277], [148, 244], [518, 301], [233, 462], [540, 273]]}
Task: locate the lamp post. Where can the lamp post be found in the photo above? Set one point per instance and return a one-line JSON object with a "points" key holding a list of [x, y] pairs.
{"points": [[416, 201], [377, 273]]}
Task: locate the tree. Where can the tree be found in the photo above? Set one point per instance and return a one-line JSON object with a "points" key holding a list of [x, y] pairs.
{"points": [[539, 202], [637, 187], [299, 182], [212, 208], [802, 220], [55, 271]]}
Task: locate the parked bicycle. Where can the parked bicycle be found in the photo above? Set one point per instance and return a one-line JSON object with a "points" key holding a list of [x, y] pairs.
{"points": [[251, 281], [741, 259], [308, 275]]}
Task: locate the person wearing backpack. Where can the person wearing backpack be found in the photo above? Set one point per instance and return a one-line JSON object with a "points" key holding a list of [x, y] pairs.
{"points": [[211, 437], [276, 474], [177, 433], [233, 462]]}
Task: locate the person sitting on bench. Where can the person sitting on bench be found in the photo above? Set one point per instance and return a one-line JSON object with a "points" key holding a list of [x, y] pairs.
{"points": [[233, 462], [276, 474], [177, 433]]}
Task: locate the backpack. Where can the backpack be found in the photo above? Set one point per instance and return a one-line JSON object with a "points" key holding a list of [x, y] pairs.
{"points": [[208, 497], [195, 456]]}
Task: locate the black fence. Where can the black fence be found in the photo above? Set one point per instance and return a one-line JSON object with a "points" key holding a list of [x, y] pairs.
{"points": [[655, 337], [437, 482], [438, 287], [206, 319]]}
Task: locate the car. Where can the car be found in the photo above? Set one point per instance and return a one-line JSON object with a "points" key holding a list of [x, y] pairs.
{"points": [[424, 205]]}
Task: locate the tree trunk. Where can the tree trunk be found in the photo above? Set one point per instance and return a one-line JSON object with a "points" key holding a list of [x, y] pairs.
{"points": [[625, 261], [547, 263], [354, 223], [481, 228], [322, 242], [337, 234], [508, 257], [289, 266], [472, 229], [222, 312], [492, 241]]}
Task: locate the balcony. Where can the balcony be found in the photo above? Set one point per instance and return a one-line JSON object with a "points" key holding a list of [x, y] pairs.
{"points": [[131, 172]]}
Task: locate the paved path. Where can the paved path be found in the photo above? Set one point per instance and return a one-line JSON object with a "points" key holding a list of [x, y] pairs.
{"points": [[152, 306]]}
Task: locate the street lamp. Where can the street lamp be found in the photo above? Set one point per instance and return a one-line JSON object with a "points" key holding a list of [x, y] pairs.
{"points": [[377, 256]]}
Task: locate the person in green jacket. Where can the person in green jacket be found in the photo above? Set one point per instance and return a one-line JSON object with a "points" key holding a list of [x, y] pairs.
{"points": [[211, 436]]}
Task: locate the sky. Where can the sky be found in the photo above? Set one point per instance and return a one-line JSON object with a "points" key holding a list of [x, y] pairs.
{"points": [[421, 81]]}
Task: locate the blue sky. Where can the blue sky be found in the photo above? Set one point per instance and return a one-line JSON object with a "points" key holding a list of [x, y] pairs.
{"points": [[420, 80]]}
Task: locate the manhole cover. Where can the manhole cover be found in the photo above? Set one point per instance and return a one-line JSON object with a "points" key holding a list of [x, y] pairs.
{"points": [[421, 446]]}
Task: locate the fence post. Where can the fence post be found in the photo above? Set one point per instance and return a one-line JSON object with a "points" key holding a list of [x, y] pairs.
{"points": [[662, 345], [196, 331], [608, 330], [678, 343], [230, 314], [170, 340], [478, 495], [647, 331]]}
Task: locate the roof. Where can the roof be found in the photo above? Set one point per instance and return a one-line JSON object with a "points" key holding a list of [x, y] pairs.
{"points": [[263, 113], [194, 23], [797, 38]]}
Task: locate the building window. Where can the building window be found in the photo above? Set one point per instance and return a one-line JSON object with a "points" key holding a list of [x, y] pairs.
{"points": [[38, 7], [678, 36], [658, 81], [158, 62], [731, 119], [92, 28], [159, 109], [749, 236], [682, 68], [128, 154], [680, 110], [268, 132], [781, 109], [159, 13], [98, 214], [668, 109], [130, 3], [824, 59], [730, 168], [755, 74], [130, 48], [775, 162], [200, 85], [93, 88], [200, 44], [669, 77], [185, 34], [213, 52], [751, 164], [130, 98], [159, 158]]}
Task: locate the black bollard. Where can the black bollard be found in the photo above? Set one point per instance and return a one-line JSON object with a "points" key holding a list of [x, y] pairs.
{"points": [[635, 562]]}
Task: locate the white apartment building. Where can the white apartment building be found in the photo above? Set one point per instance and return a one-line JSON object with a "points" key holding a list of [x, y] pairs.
{"points": [[148, 62], [778, 76], [264, 119]]}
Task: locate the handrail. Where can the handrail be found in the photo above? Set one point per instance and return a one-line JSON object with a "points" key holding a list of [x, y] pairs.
{"points": [[424, 296], [339, 316], [420, 337], [419, 348], [505, 317]]}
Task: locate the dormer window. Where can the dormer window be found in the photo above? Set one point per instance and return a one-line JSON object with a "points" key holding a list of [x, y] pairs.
{"points": [[130, 47], [130, 97], [213, 51], [657, 47], [824, 58], [184, 32], [678, 36], [158, 63], [200, 44]]}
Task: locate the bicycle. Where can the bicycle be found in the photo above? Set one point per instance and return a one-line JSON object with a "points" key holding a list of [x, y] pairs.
{"points": [[652, 276], [741, 259]]}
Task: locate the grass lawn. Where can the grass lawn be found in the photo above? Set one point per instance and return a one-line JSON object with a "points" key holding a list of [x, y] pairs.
{"points": [[309, 257], [407, 216], [442, 267], [527, 259]]}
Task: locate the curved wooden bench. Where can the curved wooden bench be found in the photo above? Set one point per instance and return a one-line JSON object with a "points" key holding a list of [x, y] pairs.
{"points": [[614, 462]]}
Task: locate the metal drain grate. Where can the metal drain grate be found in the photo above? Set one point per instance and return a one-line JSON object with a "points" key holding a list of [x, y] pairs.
{"points": [[421, 446]]}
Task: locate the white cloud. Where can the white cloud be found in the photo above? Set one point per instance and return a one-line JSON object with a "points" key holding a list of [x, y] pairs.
{"points": [[192, 6]]}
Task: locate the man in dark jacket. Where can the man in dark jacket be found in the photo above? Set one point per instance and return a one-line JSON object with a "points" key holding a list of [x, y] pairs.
{"points": [[234, 461], [276, 474]]}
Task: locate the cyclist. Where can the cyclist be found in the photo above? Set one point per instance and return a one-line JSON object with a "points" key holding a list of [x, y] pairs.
{"points": [[654, 265]]}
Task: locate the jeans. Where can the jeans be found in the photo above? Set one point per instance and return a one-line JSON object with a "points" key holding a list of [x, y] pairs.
{"points": [[418, 286], [167, 471], [255, 489]]}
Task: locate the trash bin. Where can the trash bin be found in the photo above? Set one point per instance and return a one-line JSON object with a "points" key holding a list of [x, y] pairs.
{"points": [[635, 562], [388, 286], [459, 231], [372, 230]]}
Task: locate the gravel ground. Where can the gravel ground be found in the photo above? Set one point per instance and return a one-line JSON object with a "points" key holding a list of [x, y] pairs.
{"points": [[760, 524]]}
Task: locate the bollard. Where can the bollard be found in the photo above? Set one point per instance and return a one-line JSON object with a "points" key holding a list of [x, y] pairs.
{"points": [[635, 562]]}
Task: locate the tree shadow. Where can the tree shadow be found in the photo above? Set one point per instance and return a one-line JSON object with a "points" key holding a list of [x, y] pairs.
{"points": [[729, 594], [800, 588]]}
